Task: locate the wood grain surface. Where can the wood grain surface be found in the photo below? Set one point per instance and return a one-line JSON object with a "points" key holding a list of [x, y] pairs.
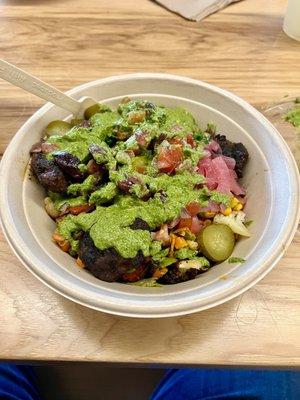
{"points": [[68, 42]]}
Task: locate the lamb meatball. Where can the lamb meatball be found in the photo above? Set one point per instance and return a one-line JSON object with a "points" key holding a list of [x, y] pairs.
{"points": [[175, 275], [234, 150], [48, 173], [140, 224], [107, 265], [68, 163]]}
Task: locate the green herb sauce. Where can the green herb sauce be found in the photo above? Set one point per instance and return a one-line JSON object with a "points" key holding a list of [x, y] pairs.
{"points": [[109, 225]]}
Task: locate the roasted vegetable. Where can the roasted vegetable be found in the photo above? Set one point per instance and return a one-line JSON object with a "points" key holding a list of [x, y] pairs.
{"points": [[235, 221]]}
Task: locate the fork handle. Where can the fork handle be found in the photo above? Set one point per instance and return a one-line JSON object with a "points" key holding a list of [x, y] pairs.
{"points": [[22, 79]]}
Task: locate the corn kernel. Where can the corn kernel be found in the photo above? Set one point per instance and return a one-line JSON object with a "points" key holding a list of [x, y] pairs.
{"points": [[234, 202], [238, 207], [227, 211], [180, 243], [192, 245], [209, 214]]}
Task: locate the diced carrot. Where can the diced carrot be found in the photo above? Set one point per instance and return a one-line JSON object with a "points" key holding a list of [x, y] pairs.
{"points": [[57, 237], [65, 246], [79, 262], [180, 243], [135, 275], [158, 273], [61, 241]]}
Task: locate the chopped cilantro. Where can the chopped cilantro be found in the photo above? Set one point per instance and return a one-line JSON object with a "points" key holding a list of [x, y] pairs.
{"points": [[293, 117], [211, 128], [233, 260], [199, 136], [149, 282]]}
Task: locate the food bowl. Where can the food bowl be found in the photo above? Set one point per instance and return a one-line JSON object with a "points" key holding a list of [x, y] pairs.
{"points": [[271, 179]]}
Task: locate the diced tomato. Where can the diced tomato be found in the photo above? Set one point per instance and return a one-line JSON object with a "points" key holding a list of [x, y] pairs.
{"points": [[185, 223], [135, 275], [190, 140], [169, 158], [193, 208], [193, 224]]}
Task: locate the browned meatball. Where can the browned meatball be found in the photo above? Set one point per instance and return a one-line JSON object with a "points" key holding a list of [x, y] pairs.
{"points": [[175, 275], [140, 224], [234, 150], [106, 265], [48, 173], [126, 184], [36, 148], [68, 163], [43, 147]]}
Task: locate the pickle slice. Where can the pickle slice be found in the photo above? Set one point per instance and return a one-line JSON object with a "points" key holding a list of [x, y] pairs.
{"points": [[95, 109], [77, 121], [57, 128], [216, 242]]}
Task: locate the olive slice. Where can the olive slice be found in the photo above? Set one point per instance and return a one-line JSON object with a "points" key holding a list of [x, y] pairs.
{"points": [[57, 128], [216, 242]]}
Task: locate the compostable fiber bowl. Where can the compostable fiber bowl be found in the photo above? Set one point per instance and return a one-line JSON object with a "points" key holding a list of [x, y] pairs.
{"points": [[271, 179]]}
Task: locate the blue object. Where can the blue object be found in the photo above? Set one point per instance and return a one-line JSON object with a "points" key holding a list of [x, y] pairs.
{"points": [[228, 384], [18, 382]]}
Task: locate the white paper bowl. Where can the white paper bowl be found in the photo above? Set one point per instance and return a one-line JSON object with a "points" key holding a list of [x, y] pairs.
{"points": [[271, 179]]}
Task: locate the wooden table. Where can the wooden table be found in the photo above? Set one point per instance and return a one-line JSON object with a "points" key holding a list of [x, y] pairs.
{"points": [[66, 43]]}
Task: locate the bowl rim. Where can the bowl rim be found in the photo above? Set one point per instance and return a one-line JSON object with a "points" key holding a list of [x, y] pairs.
{"points": [[10, 230]]}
